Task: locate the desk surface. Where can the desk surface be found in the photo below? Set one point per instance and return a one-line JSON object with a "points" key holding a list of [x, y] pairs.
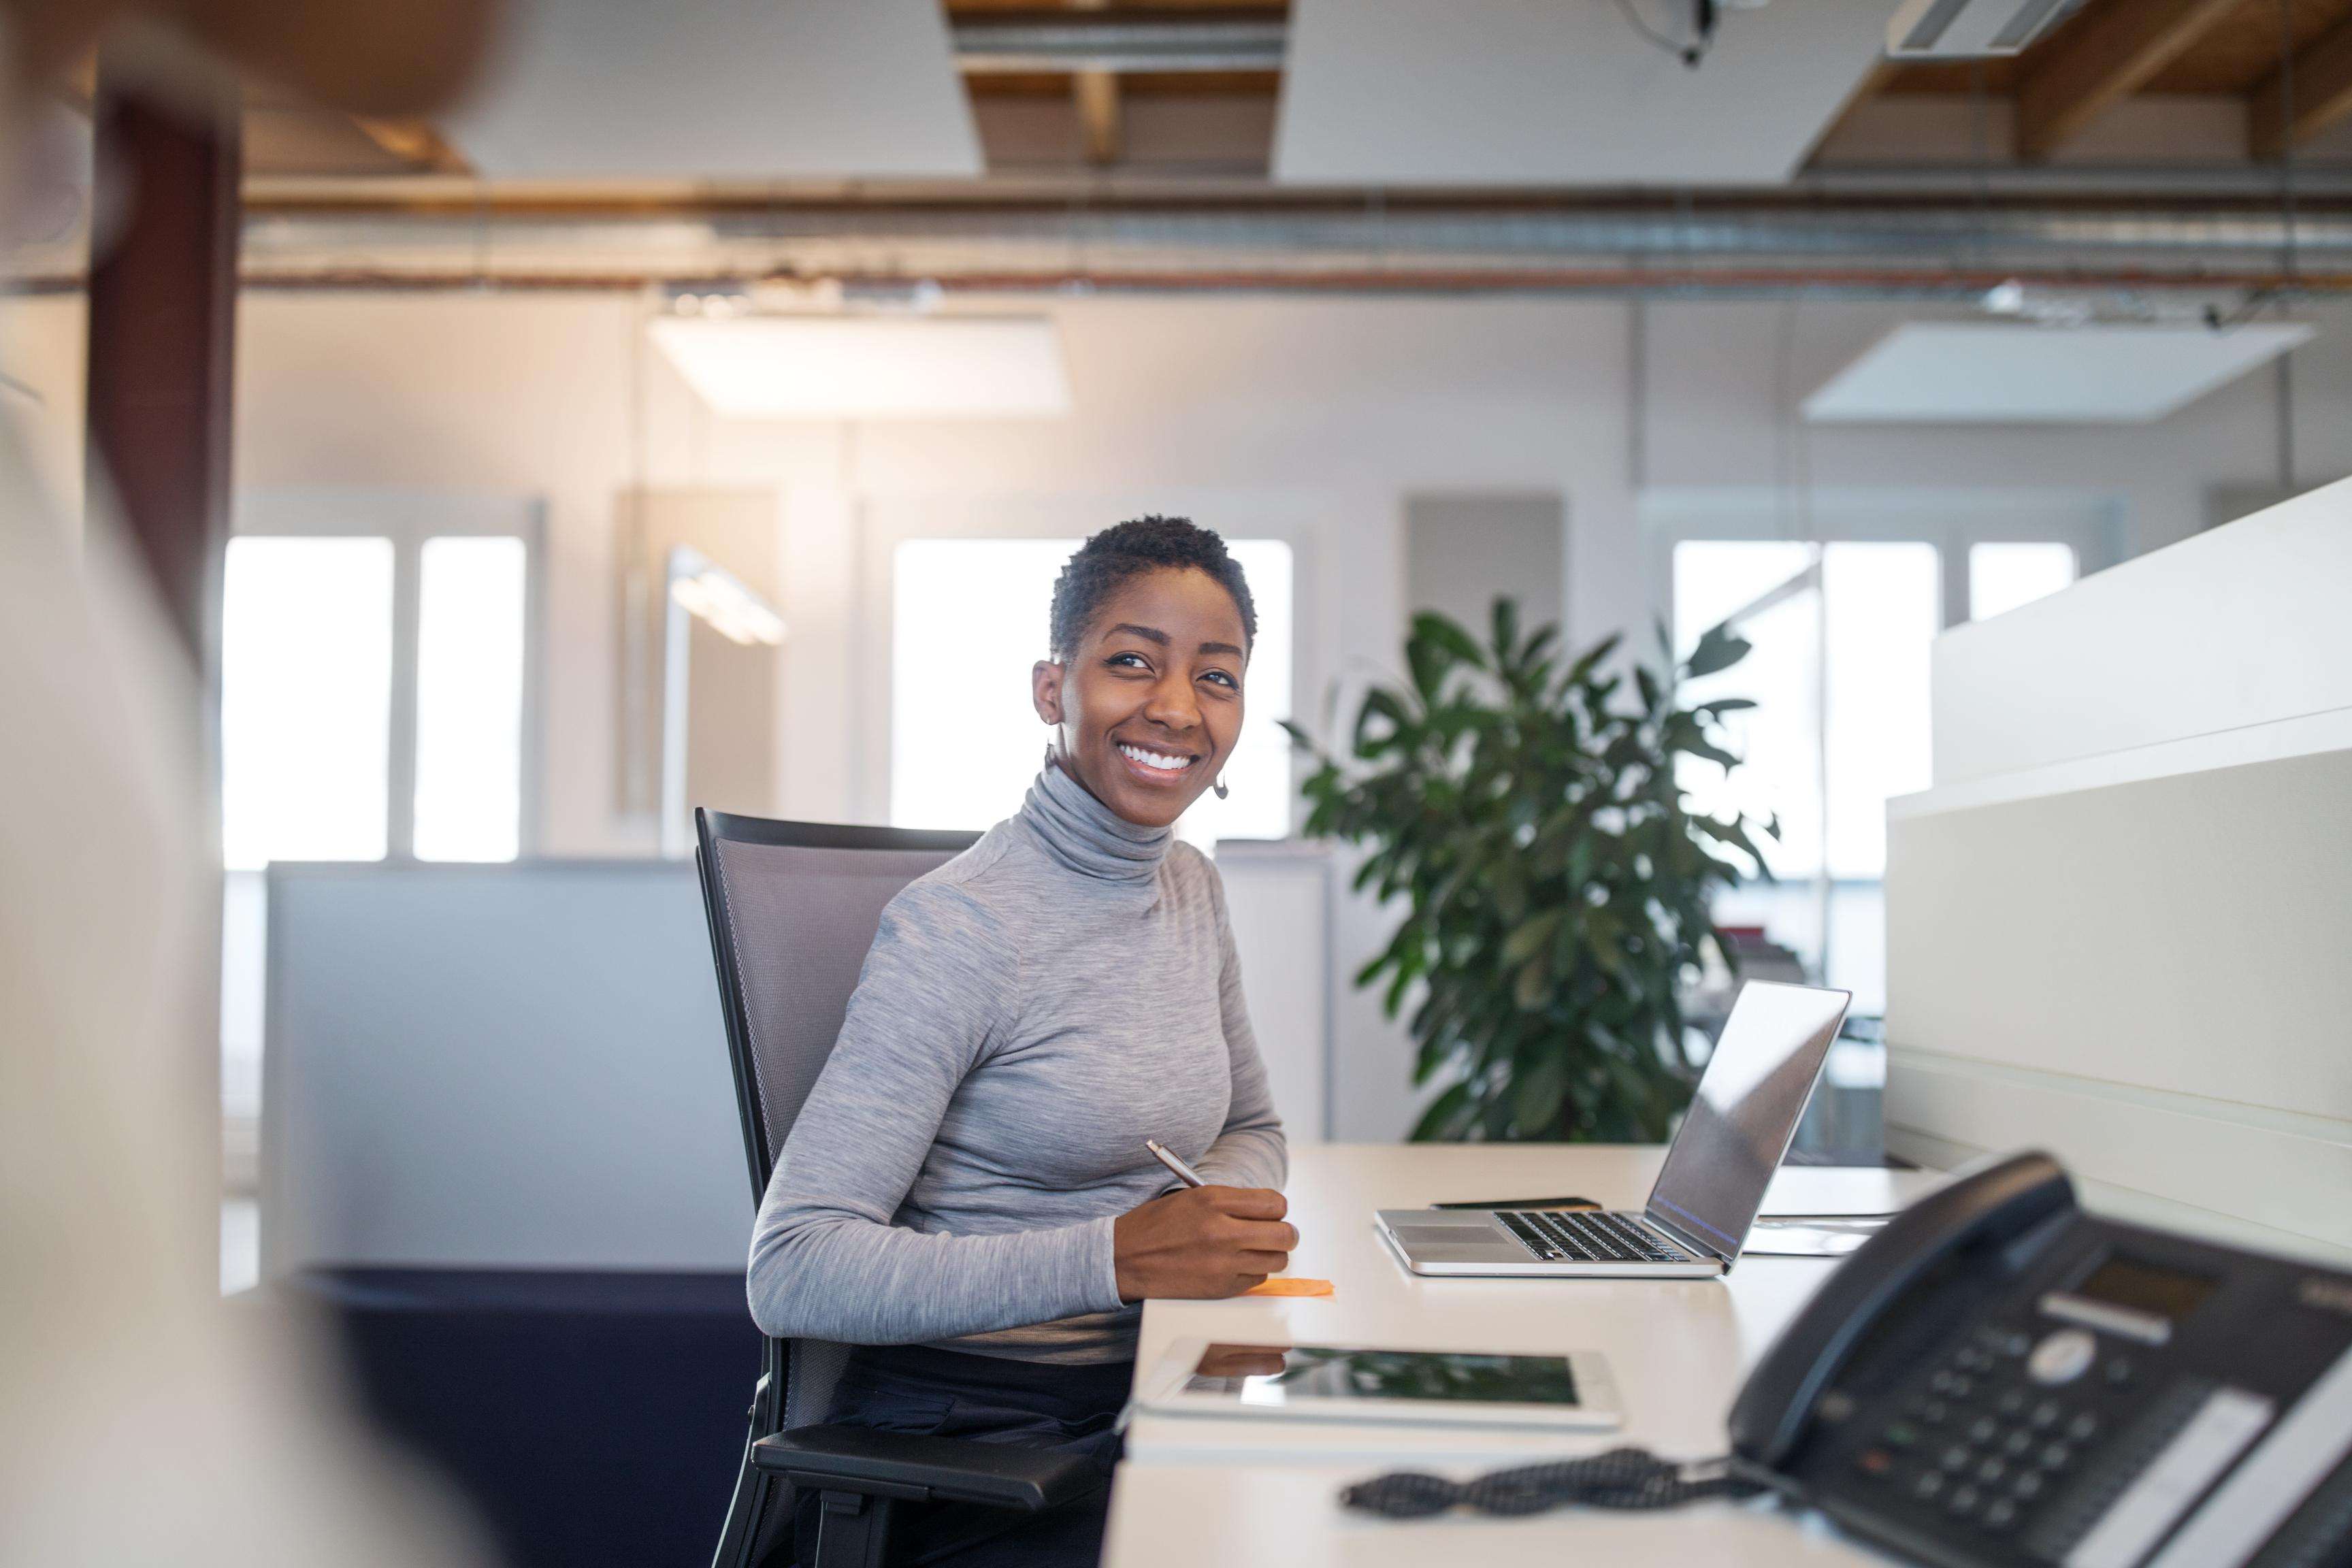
{"points": [[1200, 1490]]}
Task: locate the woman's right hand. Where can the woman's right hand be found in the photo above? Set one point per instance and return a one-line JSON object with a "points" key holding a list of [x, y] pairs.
{"points": [[1202, 1243]]}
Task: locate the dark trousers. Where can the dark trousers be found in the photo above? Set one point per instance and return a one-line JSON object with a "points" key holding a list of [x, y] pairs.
{"points": [[989, 1399]]}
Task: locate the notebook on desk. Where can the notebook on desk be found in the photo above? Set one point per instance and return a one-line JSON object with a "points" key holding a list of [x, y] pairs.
{"points": [[1748, 1103]]}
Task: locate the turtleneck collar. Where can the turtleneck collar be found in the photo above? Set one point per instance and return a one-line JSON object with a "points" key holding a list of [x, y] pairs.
{"points": [[1087, 836]]}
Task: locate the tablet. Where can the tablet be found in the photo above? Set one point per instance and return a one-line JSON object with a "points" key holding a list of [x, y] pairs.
{"points": [[1340, 1383]]}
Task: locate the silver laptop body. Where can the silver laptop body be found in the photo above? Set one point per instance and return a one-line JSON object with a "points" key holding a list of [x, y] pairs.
{"points": [[1749, 1101]]}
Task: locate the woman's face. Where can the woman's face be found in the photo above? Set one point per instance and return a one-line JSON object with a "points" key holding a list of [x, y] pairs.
{"points": [[1147, 708]]}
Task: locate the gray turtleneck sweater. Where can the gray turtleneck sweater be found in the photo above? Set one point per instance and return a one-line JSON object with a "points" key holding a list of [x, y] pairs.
{"points": [[1029, 1013]]}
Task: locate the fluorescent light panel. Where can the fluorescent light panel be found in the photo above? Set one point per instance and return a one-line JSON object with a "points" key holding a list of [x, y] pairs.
{"points": [[851, 367], [1968, 373]]}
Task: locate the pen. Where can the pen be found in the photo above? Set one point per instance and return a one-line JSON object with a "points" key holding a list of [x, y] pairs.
{"points": [[1184, 1173]]}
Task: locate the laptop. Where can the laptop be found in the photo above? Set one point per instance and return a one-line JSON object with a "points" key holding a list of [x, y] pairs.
{"points": [[1748, 1103]]}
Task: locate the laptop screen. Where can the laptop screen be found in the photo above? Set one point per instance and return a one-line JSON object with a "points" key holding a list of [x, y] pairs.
{"points": [[1745, 1110]]}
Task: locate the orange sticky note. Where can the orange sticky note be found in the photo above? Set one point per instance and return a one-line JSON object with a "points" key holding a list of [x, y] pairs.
{"points": [[1282, 1285]]}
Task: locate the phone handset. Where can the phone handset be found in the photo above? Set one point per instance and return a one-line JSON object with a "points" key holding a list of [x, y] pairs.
{"points": [[1987, 1207]]}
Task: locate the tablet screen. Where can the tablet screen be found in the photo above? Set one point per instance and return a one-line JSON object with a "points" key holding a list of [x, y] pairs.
{"points": [[1278, 1374]]}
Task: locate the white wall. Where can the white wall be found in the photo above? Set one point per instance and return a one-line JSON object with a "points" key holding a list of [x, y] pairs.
{"points": [[1331, 410]]}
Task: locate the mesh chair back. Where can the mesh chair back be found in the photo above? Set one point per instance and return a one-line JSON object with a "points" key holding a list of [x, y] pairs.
{"points": [[792, 906]]}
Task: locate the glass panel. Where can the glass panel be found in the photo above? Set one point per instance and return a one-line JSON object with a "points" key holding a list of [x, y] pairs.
{"points": [[306, 700], [469, 671], [2003, 576], [969, 618], [1780, 770], [1883, 614]]}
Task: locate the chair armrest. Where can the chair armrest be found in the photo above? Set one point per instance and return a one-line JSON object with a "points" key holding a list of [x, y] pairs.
{"points": [[925, 1470]]}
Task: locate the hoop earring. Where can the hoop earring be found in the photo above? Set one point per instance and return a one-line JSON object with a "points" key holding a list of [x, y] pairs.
{"points": [[1220, 790]]}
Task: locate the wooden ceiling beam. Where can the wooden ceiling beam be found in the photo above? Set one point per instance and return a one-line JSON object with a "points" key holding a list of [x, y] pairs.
{"points": [[1097, 95], [2101, 57], [415, 142], [2323, 95]]}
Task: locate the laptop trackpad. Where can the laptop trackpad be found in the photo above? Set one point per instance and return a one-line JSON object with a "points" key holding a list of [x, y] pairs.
{"points": [[1478, 1242]]}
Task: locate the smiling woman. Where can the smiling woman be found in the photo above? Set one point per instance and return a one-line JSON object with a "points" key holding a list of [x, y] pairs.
{"points": [[1151, 627], [967, 1193]]}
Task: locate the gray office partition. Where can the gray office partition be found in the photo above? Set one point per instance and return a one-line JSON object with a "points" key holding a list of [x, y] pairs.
{"points": [[503, 1067], [2116, 926]]}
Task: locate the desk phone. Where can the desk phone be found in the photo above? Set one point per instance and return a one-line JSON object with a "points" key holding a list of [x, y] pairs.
{"points": [[1999, 1378]]}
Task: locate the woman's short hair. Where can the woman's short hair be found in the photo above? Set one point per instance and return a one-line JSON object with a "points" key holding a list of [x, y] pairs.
{"points": [[1129, 548]]}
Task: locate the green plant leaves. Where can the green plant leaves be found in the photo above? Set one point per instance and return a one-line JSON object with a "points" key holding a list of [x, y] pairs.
{"points": [[1537, 1096], [1554, 886], [1533, 935], [1720, 647]]}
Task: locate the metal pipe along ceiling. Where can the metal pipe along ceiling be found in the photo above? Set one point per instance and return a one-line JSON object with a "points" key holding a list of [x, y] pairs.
{"points": [[1854, 248]]}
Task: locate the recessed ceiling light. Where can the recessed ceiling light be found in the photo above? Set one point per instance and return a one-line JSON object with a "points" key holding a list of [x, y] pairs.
{"points": [[862, 367], [1973, 372]]}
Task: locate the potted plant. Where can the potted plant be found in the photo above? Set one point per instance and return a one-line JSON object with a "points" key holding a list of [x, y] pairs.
{"points": [[1556, 884]]}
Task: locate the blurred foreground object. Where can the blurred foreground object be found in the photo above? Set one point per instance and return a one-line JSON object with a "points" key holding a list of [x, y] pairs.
{"points": [[141, 1426], [145, 1421]]}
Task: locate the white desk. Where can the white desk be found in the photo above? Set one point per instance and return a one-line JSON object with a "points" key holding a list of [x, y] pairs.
{"points": [[1230, 1492]]}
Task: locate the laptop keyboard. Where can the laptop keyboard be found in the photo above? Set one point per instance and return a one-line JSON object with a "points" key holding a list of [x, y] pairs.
{"points": [[1588, 1236]]}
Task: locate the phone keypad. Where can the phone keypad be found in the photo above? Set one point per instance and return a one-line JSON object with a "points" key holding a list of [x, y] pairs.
{"points": [[1985, 1437]]}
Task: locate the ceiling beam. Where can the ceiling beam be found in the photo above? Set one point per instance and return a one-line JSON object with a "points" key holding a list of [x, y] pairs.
{"points": [[1096, 94], [2322, 96], [2105, 54], [415, 141]]}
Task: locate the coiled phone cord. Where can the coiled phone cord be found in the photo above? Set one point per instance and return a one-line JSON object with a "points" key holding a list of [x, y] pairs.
{"points": [[1620, 1478]]}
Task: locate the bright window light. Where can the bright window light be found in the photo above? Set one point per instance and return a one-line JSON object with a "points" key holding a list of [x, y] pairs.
{"points": [[1881, 616], [855, 367], [306, 700], [969, 620], [1884, 611], [2003, 576], [1714, 579], [469, 670]]}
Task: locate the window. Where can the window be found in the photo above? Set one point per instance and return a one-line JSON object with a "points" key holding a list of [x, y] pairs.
{"points": [[2003, 576], [376, 693], [967, 620], [469, 667], [1839, 669], [306, 700], [374, 677], [1839, 674]]}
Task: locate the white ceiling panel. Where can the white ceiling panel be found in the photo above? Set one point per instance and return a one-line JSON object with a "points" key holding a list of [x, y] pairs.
{"points": [[720, 89], [1969, 372], [1554, 93]]}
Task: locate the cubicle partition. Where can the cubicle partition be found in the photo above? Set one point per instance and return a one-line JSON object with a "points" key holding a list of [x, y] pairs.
{"points": [[2117, 925], [500, 1153], [503, 1067]]}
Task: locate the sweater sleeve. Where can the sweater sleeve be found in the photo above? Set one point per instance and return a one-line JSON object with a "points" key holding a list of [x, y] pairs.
{"points": [[826, 1261], [1250, 1151]]}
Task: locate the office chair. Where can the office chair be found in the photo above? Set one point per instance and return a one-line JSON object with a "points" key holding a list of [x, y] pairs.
{"points": [[792, 906]]}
